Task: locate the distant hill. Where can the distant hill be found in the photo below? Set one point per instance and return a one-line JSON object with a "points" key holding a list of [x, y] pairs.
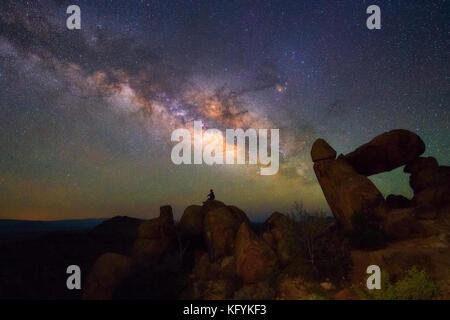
{"points": [[18, 229], [119, 226]]}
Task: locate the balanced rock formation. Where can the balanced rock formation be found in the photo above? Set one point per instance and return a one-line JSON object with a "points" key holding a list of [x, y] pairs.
{"points": [[107, 273], [346, 191], [154, 237], [386, 152], [166, 214], [255, 260]]}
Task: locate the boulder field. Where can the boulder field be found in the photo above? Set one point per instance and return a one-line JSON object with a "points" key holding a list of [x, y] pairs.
{"points": [[220, 254], [418, 229], [229, 258]]}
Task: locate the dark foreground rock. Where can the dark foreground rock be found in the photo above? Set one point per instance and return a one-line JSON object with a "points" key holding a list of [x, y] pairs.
{"points": [[221, 224], [104, 277], [255, 260]]}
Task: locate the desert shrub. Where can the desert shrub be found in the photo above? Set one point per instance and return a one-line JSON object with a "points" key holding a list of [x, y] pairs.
{"points": [[333, 258], [315, 296], [416, 284], [309, 227], [163, 279], [320, 250], [366, 231]]}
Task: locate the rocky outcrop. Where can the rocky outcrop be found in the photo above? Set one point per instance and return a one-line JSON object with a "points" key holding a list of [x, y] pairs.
{"points": [[107, 273], [238, 214], [154, 237], [402, 224], [255, 260], [395, 201], [204, 269], [279, 233], [430, 181], [346, 191], [293, 288], [346, 294], [429, 253], [220, 227], [386, 152], [218, 290], [423, 172], [321, 150], [417, 229], [259, 291], [191, 222], [213, 279], [166, 214], [438, 196]]}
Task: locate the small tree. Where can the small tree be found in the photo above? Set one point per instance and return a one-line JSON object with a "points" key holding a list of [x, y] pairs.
{"points": [[309, 228]]}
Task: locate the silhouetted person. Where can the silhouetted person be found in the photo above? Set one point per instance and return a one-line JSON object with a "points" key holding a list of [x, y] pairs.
{"points": [[211, 195]]}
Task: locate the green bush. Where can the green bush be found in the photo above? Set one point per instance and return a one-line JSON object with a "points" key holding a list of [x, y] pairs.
{"points": [[315, 296], [415, 285]]}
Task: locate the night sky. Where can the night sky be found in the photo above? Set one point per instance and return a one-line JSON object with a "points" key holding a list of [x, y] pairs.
{"points": [[86, 115]]}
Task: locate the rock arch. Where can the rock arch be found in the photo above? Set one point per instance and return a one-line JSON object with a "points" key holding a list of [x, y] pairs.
{"points": [[348, 190]]}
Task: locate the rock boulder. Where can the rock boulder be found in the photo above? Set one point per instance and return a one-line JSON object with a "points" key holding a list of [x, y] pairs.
{"points": [[107, 273], [346, 191], [255, 260], [191, 222], [154, 237], [220, 227], [279, 233], [321, 150], [386, 152]]}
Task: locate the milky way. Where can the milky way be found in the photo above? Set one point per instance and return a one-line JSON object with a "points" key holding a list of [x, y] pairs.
{"points": [[86, 115]]}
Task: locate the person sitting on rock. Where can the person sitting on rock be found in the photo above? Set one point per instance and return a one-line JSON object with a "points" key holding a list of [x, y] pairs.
{"points": [[211, 195]]}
